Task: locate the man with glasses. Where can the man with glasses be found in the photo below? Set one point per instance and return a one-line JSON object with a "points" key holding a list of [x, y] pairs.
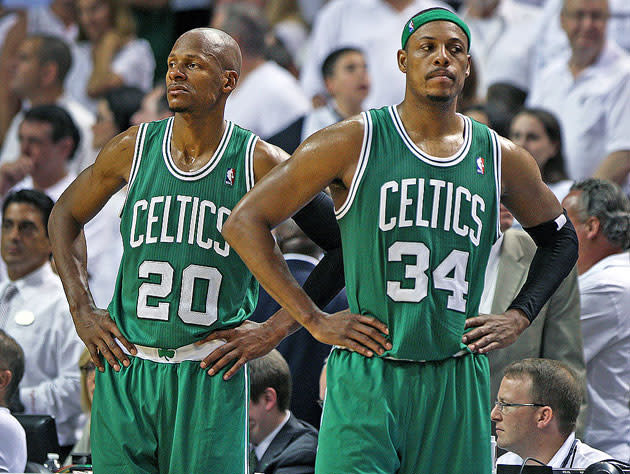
{"points": [[535, 414], [589, 93]]}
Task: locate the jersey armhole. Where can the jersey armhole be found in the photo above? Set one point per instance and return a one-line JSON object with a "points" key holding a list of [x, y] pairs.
{"points": [[249, 162], [496, 156], [361, 165], [135, 162]]}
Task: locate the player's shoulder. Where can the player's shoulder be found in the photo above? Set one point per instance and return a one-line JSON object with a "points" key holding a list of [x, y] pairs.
{"points": [[124, 142]]}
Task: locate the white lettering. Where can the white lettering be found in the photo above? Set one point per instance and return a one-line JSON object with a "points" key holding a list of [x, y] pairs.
{"points": [[389, 225], [204, 244], [463, 231], [222, 216], [134, 220], [152, 218]]}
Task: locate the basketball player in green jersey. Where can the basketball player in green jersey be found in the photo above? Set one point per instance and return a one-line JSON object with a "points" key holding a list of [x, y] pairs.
{"points": [[179, 283], [416, 189]]}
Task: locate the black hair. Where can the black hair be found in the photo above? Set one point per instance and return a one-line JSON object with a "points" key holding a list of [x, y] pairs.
{"points": [[60, 121], [35, 198], [124, 101], [328, 66]]}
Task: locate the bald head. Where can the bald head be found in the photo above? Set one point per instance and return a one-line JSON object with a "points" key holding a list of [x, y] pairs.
{"points": [[214, 43]]}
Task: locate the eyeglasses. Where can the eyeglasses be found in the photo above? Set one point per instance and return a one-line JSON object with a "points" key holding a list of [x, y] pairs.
{"points": [[502, 405]]}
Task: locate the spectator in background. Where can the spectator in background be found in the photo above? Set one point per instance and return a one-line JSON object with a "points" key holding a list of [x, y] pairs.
{"points": [[535, 413], [12, 31], [374, 27], [288, 26], [88, 373], [282, 442], [12, 436], [36, 314], [42, 65], [504, 32], [154, 107], [590, 94], [109, 54], [267, 97], [115, 110], [48, 141], [538, 131], [304, 354], [347, 82], [555, 333], [59, 18], [600, 213]]}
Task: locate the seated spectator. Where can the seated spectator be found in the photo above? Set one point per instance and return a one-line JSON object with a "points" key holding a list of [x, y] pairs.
{"points": [[374, 27], [347, 82], [48, 141], [36, 314], [12, 436], [600, 213], [304, 354], [538, 131], [88, 373], [555, 333], [503, 101], [267, 97], [282, 443], [154, 107], [115, 110], [535, 414], [589, 93], [42, 65], [108, 54], [477, 112]]}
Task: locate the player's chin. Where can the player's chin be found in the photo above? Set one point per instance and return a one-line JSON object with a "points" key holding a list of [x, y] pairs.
{"points": [[438, 97]]}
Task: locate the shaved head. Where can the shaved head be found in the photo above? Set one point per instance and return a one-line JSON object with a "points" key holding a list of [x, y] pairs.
{"points": [[214, 43]]}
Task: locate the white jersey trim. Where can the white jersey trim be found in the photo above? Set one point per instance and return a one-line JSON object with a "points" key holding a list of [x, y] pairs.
{"points": [[452, 160], [361, 165], [135, 162], [204, 170], [496, 155], [249, 162]]}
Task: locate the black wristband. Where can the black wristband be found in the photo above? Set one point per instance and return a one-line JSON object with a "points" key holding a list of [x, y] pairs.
{"points": [[554, 258]]}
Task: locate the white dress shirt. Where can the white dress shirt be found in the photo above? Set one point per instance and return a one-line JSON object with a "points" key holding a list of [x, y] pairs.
{"points": [[605, 298], [12, 443], [572, 454], [264, 444], [102, 236], [42, 20], [374, 27], [82, 118], [502, 44], [267, 100], [490, 280], [317, 119], [593, 109], [134, 63], [39, 320]]}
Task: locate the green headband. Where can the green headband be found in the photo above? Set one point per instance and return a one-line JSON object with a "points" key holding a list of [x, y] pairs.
{"points": [[434, 14]]}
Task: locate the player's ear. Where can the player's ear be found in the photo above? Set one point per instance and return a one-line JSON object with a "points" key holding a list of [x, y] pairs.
{"points": [[230, 79], [402, 60], [468, 66]]}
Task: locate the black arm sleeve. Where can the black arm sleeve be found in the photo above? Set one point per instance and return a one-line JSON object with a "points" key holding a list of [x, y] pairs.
{"points": [[317, 220], [554, 258]]}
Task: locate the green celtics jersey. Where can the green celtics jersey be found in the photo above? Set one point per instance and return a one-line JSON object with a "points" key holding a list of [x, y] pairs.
{"points": [[417, 231], [178, 278]]}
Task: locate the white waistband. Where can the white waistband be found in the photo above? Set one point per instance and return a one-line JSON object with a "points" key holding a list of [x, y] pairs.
{"points": [[174, 356]]}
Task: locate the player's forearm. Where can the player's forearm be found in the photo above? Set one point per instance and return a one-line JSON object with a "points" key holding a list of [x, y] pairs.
{"points": [[64, 230], [251, 238]]}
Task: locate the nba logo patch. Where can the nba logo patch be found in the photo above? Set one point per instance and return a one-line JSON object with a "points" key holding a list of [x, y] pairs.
{"points": [[481, 165], [230, 175], [410, 26]]}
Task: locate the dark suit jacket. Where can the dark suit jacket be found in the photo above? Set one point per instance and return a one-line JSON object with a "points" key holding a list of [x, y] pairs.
{"points": [[292, 451], [304, 354], [555, 333]]}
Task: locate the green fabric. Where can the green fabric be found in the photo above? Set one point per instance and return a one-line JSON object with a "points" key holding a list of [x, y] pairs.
{"points": [[384, 417], [432, 14], [417, 232], [178, 279], [169, 418]]}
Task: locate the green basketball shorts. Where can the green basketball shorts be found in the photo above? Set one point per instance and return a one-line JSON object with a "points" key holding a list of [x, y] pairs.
{"points": [[169, 418], [383, 416]]}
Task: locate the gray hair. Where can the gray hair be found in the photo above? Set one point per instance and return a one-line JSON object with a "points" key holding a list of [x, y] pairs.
{"points": [[605, 200]]}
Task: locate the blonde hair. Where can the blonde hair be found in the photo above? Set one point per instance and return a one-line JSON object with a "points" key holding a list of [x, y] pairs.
{"points": [[121, 19]]}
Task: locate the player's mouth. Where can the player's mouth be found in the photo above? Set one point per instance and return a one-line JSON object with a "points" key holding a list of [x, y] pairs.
{"points": [[176, 89], [441, 73]]}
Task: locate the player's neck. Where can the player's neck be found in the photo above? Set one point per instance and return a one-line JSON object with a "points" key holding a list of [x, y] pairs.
{"points": [[429, 119], [196, 137]]}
